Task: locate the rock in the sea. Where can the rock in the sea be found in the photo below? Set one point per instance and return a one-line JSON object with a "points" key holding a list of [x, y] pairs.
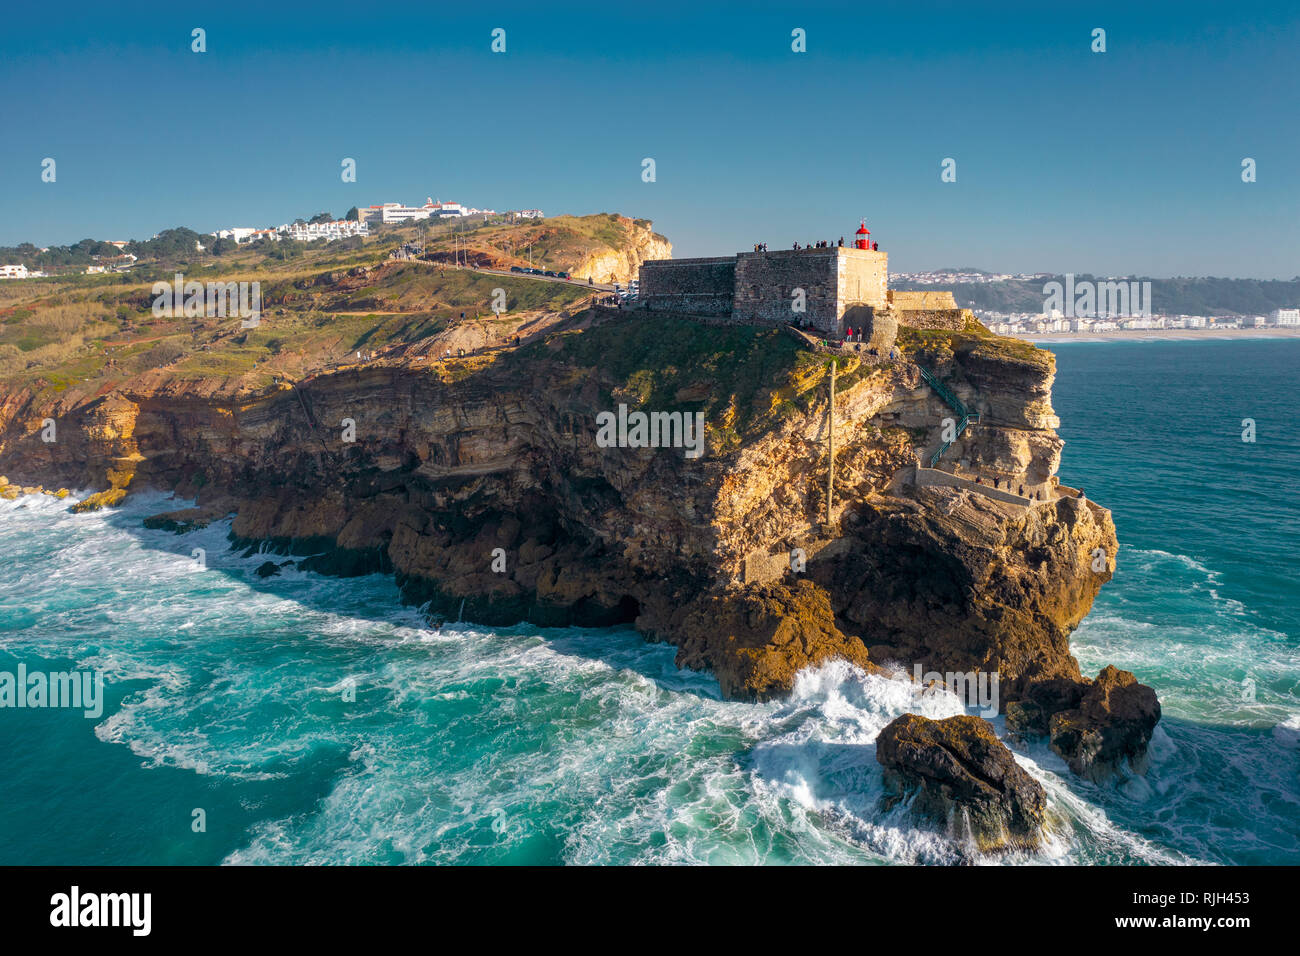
{"points": [[1111, 726], [755, 639], [184, 520], [963, 778], [1031, 714], [267, 569], [1096, 726]]}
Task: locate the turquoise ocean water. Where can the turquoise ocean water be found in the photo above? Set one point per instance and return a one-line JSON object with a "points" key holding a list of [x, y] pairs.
{"points": [[225, 693]]}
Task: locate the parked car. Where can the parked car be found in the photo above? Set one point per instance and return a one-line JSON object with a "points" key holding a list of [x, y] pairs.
{"points": [[561, 275], [517, 269]]}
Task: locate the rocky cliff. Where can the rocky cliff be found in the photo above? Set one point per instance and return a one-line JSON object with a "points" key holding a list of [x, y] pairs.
{"points": [[481, 482], [623, 263]]}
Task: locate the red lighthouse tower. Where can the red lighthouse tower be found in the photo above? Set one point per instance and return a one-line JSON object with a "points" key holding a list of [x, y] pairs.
{"points": [[864, 237]]}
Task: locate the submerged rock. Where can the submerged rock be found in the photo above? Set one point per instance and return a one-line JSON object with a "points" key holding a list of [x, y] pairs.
{"points": [[184, 520], [267, 569], [960, 776]]}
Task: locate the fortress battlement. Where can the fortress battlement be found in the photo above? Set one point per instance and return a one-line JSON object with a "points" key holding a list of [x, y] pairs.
{"points": [[830, 289]]}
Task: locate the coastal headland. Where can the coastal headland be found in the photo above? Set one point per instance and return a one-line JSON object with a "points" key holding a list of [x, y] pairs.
{"points": [[468, 466]]}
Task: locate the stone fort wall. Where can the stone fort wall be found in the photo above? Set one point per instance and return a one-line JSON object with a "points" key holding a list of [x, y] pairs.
{"points": [[699, 286], [841, 286], [834, 281], [765, 284], [951, 319], [905, 301]]}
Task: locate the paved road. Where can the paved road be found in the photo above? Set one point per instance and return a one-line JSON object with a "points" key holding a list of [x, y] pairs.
{"points": [[517, 275]]}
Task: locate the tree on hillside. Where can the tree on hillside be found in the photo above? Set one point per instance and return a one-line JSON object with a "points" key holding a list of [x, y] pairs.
{"points": [[321, 217], [354, 214], [170, 244]]}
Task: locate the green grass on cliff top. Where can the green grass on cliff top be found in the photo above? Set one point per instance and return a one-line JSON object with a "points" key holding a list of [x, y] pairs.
{"points": [[939, 346], [419, 286], [560, 242], [94, 333], [743, 378]]}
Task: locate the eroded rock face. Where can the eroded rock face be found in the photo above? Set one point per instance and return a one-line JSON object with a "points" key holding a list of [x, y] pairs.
{"points": [[1109, 728], [1100, 727], [960, 776], [624, 264], [755, 639], [486, 495], [955, 581]]}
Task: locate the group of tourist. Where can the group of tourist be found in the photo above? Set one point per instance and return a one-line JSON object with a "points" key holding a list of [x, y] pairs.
{"points": [[824, 244], [1020, 490]]}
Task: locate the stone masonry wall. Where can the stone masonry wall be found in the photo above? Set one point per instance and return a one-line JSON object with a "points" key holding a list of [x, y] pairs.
{"points": [[863, 278], [695, 286], [905, 301], [950, 319], [766, 283], [759, 287]]}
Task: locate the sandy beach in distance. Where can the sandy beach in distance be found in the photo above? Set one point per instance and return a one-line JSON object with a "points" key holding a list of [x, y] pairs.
{"points": [[1160, 335]]}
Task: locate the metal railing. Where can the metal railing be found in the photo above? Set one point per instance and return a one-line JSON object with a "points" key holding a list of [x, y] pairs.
{"points": [[967, 417]]}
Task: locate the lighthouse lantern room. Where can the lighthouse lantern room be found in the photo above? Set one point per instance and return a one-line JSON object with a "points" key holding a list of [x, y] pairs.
{"points": [[864, 237]]}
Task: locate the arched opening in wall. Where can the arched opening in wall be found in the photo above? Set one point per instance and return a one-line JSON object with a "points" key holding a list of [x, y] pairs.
{"points": [[876, 330]]}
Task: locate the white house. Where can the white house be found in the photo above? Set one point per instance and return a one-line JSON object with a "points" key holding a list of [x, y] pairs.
{"points": [[1285, 316], [13, 272], [329, 231], [238, 233], [396, 212]]}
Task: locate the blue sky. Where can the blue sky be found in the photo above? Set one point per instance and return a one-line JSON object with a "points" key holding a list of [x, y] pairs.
{"points": [[1125, 162]]}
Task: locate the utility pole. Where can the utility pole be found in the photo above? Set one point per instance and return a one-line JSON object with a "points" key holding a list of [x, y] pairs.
{"points": [[830, 441]]}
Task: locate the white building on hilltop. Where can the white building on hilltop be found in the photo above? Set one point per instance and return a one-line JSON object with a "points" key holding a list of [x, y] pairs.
{"points": [[238, 233], [329, 231], [303, 231], [396, 212], [13, 272], [432, 209]]}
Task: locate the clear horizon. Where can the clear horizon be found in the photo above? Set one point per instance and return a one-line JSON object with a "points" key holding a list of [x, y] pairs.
{"points": [[1126, 162]]}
